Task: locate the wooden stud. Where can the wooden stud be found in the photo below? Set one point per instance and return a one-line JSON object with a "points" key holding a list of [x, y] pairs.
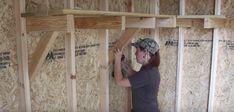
{"points": [[38, 57], [70, 60], [180, 61], [103, 60], [215, 49], [180, 70], [130, 6], [104, 72], [22, 57], [71, 72], [154, 9]]}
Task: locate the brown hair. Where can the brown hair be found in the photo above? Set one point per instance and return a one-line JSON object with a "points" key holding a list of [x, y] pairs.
{"points": [[154, 60]]}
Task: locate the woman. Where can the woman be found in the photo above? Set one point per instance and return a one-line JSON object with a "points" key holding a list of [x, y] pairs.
{"points": [[144, 83]]}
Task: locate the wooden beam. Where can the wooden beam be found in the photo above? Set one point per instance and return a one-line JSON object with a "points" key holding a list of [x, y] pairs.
{"points": [[22, 57], [214, 23], [47, 23], [190, 23], [134, 22], [98, 22], [123, 41], [219, 23], [229, 23], [38, 57], [111, 13], [76, 12], [166, 22], [200, 16], [103, 60]]}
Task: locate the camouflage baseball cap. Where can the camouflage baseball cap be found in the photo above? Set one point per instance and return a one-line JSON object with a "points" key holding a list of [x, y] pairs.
{"points": [[147, 43]]}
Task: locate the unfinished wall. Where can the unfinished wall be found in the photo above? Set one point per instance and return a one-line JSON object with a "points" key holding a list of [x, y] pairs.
{"points": [[9, 92], [199, 7], [224, 97], [195, 80], [49, 91]]}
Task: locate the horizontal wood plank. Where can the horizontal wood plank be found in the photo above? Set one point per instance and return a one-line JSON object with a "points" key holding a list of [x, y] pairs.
{"points": [[190, 23], [47, 23], [98, 22], [219, 23], [134, 22], [166, 22]]}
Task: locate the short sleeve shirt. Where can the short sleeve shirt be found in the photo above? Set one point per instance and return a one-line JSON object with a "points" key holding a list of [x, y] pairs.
{"points": [[145, 85]]}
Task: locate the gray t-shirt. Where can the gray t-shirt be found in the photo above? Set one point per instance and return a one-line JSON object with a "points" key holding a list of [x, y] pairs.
{"points": [[145, 85]]}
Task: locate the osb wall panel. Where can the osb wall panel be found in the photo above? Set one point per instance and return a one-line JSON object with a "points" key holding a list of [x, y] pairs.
{"points": [[199, 7], [169, 7], [9, 92], [224, 97], [227, 8], [167, 68], [141, 6], [87, 4], [118, 5], [87, 69], [48, 89], [195, 80]]}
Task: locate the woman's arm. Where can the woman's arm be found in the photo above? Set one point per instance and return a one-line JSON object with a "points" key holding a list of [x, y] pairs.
{"points": [[119, 79], [127, 69]]}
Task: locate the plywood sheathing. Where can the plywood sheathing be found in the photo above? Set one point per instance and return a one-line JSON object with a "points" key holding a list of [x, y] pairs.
{"points": [[197, 56], [167, 68], [48, 89], [9, 92], [227, 8], [224, 97], [199, 7], [87, 71]]}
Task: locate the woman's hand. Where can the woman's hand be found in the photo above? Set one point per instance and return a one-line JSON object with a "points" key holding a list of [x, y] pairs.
{"points": [[118, 54]]}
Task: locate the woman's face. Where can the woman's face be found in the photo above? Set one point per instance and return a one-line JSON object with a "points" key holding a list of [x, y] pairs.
{"points": [[140, 56]]}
